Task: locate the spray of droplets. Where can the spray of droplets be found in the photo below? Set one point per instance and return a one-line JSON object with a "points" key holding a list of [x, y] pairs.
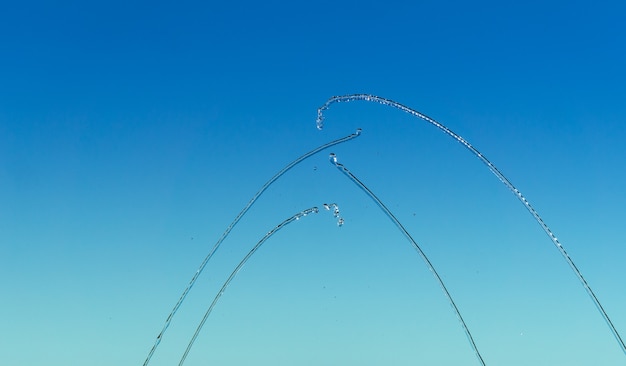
{"points": [[335, 208]]}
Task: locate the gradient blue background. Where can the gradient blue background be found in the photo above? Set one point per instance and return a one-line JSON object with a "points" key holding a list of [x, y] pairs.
{"points": [[132, 133]]}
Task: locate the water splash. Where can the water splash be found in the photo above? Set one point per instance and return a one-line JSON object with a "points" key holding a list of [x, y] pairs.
{"points": [[391, 216], [335, 207], [496, 172], [291, 219], [230, 228]]}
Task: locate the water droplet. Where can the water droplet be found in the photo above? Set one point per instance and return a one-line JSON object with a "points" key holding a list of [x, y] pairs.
{"points": [[358, 131], [340, 222], [327, 207], [319, 122], [333, 158]]}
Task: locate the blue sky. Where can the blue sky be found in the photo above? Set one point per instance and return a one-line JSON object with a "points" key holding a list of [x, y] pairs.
{"points": [[132, 133]]}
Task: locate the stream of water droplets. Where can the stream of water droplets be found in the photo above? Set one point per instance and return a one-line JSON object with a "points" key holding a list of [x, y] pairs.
{"points": [[230, 227], [496, 172], [333, 160]]}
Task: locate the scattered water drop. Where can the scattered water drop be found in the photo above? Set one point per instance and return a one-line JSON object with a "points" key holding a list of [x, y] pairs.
{"points": [[336, 212]]}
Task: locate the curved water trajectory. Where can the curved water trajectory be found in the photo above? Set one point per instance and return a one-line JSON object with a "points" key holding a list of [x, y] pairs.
{"points": [[495, 171], [287, 221], [230, 227], [390, 215]]}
